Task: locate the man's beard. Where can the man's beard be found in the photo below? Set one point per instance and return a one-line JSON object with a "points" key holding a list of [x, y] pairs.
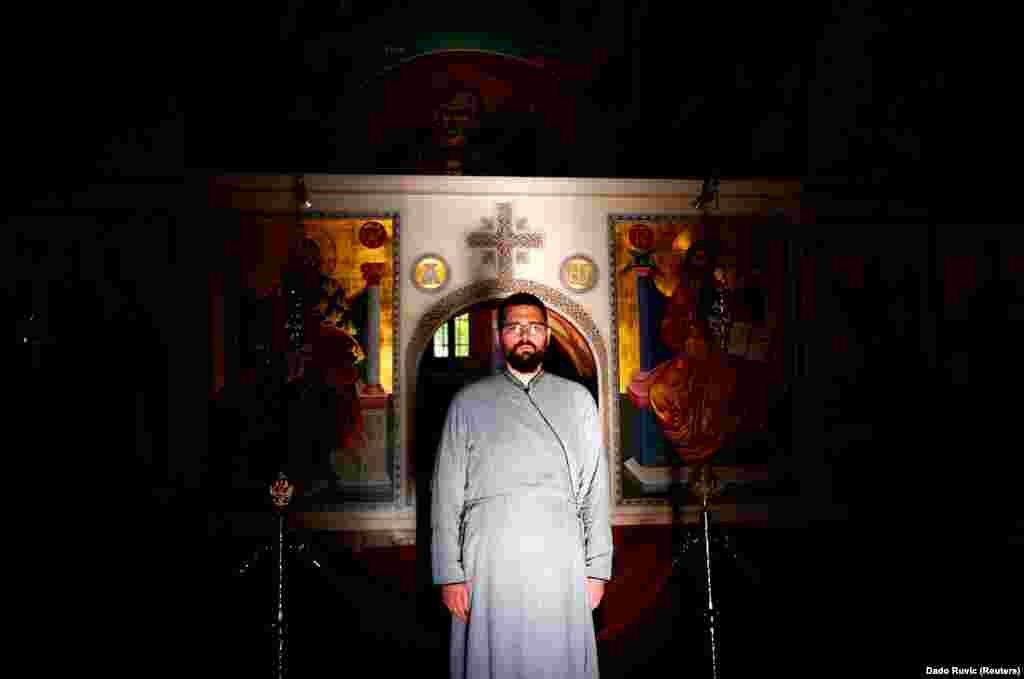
{"points": [[525, 364]]}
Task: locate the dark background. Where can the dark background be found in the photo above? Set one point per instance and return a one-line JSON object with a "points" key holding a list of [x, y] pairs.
{"points": [[853, 97], [895, 119]]}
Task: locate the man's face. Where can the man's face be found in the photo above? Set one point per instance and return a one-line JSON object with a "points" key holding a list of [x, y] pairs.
{"points": [[524, 337]]}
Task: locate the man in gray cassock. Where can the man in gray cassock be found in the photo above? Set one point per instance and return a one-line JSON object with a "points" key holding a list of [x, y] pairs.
{"points": [[522, 542]]}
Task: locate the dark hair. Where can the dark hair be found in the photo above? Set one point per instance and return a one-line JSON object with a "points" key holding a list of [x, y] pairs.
{"points": [[520, 299]]}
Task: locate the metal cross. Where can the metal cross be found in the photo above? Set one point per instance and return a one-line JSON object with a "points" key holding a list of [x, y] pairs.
{"points": [[504, 240]]}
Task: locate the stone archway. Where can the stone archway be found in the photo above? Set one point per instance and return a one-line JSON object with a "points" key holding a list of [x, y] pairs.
{"points": [[482, 291], [440, 312]]}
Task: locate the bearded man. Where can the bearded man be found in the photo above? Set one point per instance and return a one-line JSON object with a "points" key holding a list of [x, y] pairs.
{"points": [[522, 543]]}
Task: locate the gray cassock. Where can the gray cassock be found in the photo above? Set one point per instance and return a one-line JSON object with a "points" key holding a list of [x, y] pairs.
{"points": [[520, 511]]}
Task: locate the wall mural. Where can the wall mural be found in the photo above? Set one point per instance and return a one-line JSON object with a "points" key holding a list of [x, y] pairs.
{"points": [[331, 314], [357, 300], [467, 113], [697, 349]]}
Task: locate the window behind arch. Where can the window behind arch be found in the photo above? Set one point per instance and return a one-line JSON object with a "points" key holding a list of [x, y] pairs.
{"points": [[451, 340]]}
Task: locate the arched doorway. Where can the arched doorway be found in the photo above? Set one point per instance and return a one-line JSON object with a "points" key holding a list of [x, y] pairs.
{"points": [[447, 364]]}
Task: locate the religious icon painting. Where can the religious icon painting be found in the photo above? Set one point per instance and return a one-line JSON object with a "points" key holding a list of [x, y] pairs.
{"points": [[578, 273], [430, 273], [356, 333], [697, 304], [320, 315]]}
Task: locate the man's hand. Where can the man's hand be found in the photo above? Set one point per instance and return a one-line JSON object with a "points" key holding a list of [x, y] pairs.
{"points": [[455, 597], [595, 592]]}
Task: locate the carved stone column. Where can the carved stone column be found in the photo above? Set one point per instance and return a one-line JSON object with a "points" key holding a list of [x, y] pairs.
{"points": [[372, 274], [641, 239]]}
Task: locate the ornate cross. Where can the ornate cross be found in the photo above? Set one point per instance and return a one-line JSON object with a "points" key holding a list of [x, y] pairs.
{"points": [[504, 240]]}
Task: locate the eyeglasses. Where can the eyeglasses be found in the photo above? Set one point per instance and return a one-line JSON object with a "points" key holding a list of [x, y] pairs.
{"points": [[521, 329]]}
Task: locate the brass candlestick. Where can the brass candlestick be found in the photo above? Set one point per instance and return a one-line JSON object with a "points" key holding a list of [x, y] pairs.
{"points": [[281, 492], [702, 487]]}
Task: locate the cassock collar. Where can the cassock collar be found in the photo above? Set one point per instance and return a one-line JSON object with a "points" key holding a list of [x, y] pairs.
{"points": [[515, 380]]}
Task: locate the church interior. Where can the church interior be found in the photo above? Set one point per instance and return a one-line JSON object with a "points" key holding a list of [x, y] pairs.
{"points": [[863, 517]]}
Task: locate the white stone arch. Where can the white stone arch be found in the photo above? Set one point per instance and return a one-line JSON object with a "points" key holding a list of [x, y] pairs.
{"points": [[465, 297]]}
